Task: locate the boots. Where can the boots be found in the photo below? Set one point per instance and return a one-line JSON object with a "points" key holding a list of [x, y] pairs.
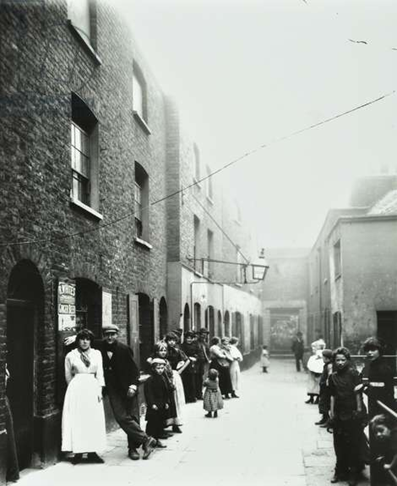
{"points": [[208, 415]]}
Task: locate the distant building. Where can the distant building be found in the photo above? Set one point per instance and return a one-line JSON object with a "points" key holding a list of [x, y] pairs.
{"points": [[284, 295]]}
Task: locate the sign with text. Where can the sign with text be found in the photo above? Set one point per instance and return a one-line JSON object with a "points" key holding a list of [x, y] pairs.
{"points": [[66, 306]]}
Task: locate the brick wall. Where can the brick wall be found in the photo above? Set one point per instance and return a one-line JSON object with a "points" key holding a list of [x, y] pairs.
{"points": [[44, 61]]}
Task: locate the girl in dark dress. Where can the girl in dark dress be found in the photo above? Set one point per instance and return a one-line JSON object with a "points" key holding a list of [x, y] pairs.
{"points": [[157, 396], [220, 360]]}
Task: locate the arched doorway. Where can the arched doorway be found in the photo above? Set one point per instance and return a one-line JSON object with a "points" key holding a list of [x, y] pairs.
{"points": [[239, 323], [227, 323], [146, 329], [220, 330], [25, 309], [163, 318], [210, 325], [197, 316], [186, 318]]}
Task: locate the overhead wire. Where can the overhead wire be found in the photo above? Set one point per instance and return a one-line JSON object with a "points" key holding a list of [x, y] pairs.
{"points": [[202, 179]]}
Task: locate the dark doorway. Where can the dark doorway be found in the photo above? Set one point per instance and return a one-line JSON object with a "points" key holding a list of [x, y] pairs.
{"points": [[146, 329], [227, 324], [220, 330], [210, 321], [25, 307], [387, 331], [284, 323], [197, 316], [163, 318], [89, 306], [186, 318]]}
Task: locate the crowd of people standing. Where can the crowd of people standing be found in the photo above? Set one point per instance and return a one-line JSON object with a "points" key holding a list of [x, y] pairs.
{"points": [[183, 368], [338, 388]]}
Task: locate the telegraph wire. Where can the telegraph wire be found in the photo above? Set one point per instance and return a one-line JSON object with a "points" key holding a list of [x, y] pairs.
{"points": [[197, 182]]}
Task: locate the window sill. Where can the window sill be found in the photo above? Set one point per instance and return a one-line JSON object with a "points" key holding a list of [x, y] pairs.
{"points": [[198, 274], [142, 122], [85, 208], [143, 243], [210, 200], [86, 45]]}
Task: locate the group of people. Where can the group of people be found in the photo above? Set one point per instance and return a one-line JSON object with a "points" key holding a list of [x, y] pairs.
{"points": [[338, 389], [183, 368]]}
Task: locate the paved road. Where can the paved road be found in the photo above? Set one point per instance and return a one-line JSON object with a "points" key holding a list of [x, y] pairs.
{"points": [[267, 437]]}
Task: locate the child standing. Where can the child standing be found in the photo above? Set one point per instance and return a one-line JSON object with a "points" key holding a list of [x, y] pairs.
{"points": [[346, 408], [265, 362], [212, 399], [324, 401], [157, 396], [384, 433]]}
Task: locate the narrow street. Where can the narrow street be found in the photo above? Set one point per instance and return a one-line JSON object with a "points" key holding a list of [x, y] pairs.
{"points": [[267, 437]]}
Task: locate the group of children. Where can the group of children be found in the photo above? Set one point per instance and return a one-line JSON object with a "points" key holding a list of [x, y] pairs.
{"points": [[343, 412], [178, 374]]}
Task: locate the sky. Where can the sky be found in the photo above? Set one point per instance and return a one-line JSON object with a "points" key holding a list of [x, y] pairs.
{"points": [[247, 72]]}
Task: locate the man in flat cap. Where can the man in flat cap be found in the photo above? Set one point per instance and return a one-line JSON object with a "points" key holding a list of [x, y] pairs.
{"points": [[122, 381]]}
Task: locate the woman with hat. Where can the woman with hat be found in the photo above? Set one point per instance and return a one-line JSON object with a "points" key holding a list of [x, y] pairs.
{"points": [[83, 418]]}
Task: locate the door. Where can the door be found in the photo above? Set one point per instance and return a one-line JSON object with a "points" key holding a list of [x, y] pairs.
{"points": [[20, 343], [387, 331]]}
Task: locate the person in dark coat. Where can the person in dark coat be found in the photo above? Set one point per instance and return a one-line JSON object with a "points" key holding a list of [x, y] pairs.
{"points": [[158, 400], [298, 348], [378, 384], [191, 350], [202, 361], [346, 413], [121, 385]]}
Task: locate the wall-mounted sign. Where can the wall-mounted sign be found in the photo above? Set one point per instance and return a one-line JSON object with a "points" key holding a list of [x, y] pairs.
{"points": [[106, 308], [66, 306]]}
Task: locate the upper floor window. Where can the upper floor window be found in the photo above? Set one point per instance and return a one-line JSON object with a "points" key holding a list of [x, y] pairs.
{"points": [[210, 253], [84, 154], [239, 267], [337, 259], [209, 184], [139, 97], [141, 196], [196, 167], [196, 242]]}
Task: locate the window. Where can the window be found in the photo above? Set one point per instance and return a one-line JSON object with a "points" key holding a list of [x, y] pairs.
{"points": [[84, 154], [196, 163], [79, 14], [239, 267], [337, 259], [197, 262], [139, 98], [237, 212], [209, 183], [141, 197], [210, 253]]}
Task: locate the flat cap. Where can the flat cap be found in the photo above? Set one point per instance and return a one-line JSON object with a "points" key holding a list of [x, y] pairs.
{"points": [[110, 328]]}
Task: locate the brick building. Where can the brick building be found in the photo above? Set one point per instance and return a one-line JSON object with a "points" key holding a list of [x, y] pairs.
{"points": [[353, 268], [90, 147], [345, 287]]}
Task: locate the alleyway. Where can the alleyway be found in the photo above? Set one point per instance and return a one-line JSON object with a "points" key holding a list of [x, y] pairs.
{"points": [[267, 437]]}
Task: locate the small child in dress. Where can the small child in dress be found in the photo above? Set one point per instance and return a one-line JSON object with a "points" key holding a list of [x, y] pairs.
{"points": [[265, 362], [212, 399]]}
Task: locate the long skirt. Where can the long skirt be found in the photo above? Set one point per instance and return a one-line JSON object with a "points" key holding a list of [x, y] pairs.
{"points": [[313, 383], [235, 374], [83, 418], [179, 398], [212, 400]]}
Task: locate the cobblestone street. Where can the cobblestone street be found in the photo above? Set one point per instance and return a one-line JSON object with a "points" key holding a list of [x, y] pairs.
{"points": [[267, 436]]}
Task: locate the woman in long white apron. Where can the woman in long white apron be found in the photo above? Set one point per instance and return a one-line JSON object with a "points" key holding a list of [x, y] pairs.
{"points": [[235, 365], [83, 418]]}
